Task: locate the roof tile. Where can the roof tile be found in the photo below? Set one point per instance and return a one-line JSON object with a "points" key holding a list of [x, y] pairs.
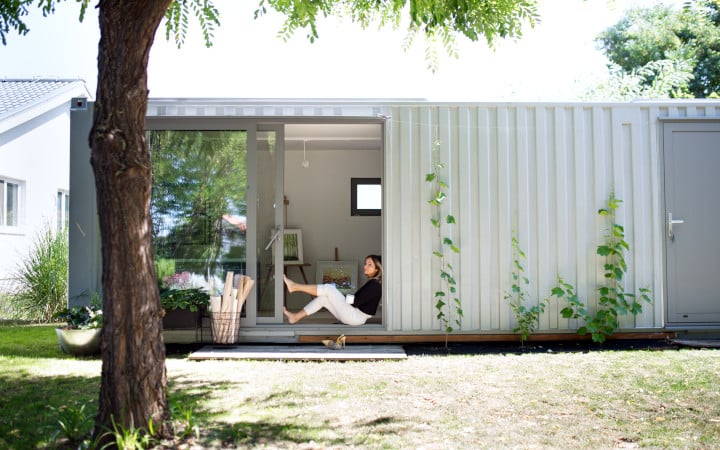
{"points": [[16, 95]]}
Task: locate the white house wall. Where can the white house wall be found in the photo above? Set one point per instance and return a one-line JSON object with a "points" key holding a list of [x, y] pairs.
{"points": [[541, 170], [34, 152]]}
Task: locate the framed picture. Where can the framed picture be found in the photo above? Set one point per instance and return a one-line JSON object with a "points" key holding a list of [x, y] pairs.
{"points": [[344, 274], [292, 246]]}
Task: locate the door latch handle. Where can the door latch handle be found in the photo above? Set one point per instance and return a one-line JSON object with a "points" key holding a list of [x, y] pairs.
{"points": [[672, 222], [278, 230]]}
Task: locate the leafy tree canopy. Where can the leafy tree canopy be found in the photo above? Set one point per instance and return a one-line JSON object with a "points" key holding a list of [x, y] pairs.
{"points": [[690, 35], [437, 19]]}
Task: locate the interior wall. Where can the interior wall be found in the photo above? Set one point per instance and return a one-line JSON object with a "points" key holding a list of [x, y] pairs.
{"points": [[319, 204]]}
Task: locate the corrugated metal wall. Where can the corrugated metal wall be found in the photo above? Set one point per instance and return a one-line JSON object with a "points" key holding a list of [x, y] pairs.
{"points": [[541, 171]]}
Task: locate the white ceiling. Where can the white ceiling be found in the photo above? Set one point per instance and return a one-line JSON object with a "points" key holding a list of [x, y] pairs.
{"points": [[333, 136]]}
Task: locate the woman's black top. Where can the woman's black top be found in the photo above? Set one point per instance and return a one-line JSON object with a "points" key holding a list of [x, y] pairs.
{"points": [[367, 298]]}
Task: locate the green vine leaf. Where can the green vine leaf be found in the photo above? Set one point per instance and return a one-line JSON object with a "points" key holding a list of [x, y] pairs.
{"points": [[613, 301], [445, 313]]}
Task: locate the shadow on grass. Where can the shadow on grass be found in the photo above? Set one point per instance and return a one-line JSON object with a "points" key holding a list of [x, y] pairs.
{"points": [[271, 429], [26, 419]]}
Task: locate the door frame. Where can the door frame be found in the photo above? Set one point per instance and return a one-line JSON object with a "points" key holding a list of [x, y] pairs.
{"points": [[665, 130], [278, 286]]}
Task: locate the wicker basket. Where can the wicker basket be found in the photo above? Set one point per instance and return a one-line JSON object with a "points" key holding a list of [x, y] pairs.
{"points": [[225, 327]]}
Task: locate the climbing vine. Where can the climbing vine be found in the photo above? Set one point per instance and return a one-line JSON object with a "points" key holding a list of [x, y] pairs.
{"points": [[613, 301], [447, 300], [528, 317]]}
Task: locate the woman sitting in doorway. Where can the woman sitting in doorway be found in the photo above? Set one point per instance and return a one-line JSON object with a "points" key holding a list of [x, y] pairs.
{"points": [[365, 305]]}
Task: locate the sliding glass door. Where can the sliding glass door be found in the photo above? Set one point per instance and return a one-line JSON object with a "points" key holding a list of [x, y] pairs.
{"points": [[270, 219], [199, 207]]}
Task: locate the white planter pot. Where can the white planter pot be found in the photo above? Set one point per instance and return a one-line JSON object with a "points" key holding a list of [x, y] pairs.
{"points": [[79, 342]]}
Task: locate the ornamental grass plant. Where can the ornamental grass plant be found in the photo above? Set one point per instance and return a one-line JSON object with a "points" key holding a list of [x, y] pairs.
{"points": [[39, 284]]}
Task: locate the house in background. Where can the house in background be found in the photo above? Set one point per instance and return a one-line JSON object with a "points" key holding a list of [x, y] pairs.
{"points": [[34, 161]]}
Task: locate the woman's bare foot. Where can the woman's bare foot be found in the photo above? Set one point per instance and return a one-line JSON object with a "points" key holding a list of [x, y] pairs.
{"points": [[289, 283], [294, 317]]}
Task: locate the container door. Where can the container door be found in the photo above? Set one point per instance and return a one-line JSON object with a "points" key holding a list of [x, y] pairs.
{"points": [[692, 184]]}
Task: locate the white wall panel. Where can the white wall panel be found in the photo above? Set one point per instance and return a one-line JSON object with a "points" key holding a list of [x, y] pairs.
{"points": [[541, 170]]}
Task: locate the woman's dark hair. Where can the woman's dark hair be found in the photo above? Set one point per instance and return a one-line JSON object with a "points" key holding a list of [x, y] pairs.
{"points": [[378, 265]]}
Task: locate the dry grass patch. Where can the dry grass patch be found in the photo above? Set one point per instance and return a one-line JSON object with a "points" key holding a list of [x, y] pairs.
{"points": [[598, 399], [661, 399]]}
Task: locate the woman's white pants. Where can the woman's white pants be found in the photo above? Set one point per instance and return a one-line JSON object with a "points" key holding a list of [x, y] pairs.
{"points": [[334, 301]]}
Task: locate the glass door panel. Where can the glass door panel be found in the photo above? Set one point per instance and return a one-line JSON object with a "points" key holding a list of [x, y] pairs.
{"points": [[199, 207], [269, 220]]}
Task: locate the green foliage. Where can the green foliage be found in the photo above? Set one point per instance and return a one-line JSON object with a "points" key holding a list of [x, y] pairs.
{"points": [[473, 18], [613, 301], [191, 299], [74, 423], [41, 278], [13, 11], [164, 267], [440, 20], [128, 438], [656, 79], [82, 317], [690, 35], [184, 421], [447, 295], [528, 317], [177, 19]]}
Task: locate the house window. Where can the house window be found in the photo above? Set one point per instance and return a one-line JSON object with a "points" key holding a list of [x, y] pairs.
{"points": [[9, 203], [63, 209], [365, 197]]}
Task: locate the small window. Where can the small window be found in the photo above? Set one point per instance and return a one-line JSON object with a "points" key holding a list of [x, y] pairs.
{"points": [[63, 209], [365, 197], [9, 203]]}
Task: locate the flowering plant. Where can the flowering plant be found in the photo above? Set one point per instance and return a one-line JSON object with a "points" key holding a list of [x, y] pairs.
{"points": [[178, 280]]}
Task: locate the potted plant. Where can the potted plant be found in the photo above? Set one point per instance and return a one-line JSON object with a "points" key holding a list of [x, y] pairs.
{"points": [[81, 334], [182, 302]]}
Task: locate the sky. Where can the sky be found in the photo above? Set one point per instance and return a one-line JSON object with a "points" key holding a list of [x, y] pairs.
{"points": [[557, 60]]}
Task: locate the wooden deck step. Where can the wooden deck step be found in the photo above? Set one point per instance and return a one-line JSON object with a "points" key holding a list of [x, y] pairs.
{"points": [[300, 352]]}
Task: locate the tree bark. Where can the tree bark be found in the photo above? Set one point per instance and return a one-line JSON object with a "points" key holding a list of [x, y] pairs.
{"points": [[132, 390]]}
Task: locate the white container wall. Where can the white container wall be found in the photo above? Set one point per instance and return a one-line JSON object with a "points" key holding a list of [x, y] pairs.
{"points": [[539, 171]]}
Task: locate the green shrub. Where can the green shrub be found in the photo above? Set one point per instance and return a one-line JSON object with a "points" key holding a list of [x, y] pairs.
{"points": [[40, 282]]}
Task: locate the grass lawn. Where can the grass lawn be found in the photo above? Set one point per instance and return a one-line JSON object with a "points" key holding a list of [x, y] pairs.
{"points": [[597, 399]]}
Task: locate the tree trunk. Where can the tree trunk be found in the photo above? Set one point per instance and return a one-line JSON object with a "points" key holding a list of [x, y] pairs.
{"points": [[132, 390]]}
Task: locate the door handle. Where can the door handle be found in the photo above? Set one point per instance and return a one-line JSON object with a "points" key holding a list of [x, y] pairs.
{"points": [[278, 230], [672, 222]]}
